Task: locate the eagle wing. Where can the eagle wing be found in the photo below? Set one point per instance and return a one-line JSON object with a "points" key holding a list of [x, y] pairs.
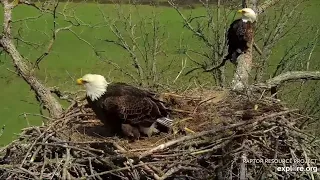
{"points": [[133, 110], [236, 32], [238, 35]]}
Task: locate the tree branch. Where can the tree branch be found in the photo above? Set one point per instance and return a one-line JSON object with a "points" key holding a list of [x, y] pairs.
{"points": [[290, 76], [22, 68], [54, 35], [266, 5]]}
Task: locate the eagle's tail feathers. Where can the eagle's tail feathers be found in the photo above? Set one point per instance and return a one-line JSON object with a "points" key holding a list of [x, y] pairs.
{"points": [[165, 121]]}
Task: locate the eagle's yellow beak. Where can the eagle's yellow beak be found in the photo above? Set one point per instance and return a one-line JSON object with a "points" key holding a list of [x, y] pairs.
{"points": [[80, 81], [240, 11]]}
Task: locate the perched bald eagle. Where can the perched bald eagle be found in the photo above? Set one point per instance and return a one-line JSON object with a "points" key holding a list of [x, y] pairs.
{"points": [[125, 108], [239, 34]]}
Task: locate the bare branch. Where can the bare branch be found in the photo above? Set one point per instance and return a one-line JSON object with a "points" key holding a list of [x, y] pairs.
{"points": [[54, 33], [291, 76], [266, 5], [189, 26], [42, 92]]}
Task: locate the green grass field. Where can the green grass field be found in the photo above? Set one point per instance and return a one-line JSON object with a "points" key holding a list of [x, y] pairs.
{"points": [[71, 58]]}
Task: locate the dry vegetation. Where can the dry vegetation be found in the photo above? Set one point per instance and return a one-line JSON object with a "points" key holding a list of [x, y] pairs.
{"points": [[214, 132]]}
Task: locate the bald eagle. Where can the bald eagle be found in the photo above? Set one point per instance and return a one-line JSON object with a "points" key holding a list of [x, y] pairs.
{"points": [[239, 34], [125, 108]]}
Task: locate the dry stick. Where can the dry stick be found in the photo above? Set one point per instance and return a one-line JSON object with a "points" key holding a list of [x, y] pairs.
{"points": [[34, 143], [39, 148], [65, 166], [119, 169], [295, 129], [202, 102], [29, 172], [154, 168], [257, 48], [307, 160], [40, 115], [181, 111], [243, 168], [185, 138], [149, 170], [90, 166], [170, 172], [121, 149], [83, 150], [176, 169], [44, 163], [211, 149]]}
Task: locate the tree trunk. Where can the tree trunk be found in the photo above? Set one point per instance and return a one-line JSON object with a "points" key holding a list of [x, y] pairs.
{"points": [[42, 92], [244, 64]]}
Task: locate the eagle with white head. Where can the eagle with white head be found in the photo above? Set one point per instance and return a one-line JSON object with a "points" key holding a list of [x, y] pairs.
{"points": [[240, 34], [122, 107]]}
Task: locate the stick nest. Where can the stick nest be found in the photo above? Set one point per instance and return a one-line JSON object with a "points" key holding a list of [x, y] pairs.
{"points": [[216, 135]]}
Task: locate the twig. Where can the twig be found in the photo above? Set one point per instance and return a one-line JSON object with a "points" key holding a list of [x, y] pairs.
{"points": [[80, 149], [257, 48], [29, 172], [118, 169], [170, 172], [66, 164], [149, 170], [39, 148], [34, 143]]}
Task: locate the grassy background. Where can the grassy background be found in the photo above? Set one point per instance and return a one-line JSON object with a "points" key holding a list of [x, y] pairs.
{"points": [[71, 58]]}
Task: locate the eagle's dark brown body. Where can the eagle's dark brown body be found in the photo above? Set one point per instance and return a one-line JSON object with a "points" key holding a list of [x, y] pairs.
{"points": [[239, 36], [125, 104]]}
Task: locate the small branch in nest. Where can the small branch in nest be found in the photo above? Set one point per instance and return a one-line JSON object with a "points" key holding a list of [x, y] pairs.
{"points": [[65, 172], [211, 149], [120, 149], [202, 102], [181, 111], [243, 172], [79, 149], [185, 138], [176, 169], [149, 170], [29, 172], [33, 157], [118, 170], [182, 120], [64, 95], [40, 115], [34, 143], [170, 172]]}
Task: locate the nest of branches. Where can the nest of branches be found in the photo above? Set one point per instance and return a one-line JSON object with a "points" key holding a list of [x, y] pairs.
{"points": [[216, 135]]}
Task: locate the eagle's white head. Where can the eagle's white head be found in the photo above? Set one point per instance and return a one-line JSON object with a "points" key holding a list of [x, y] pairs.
{"points": [[248, 15], [95, 84]]}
